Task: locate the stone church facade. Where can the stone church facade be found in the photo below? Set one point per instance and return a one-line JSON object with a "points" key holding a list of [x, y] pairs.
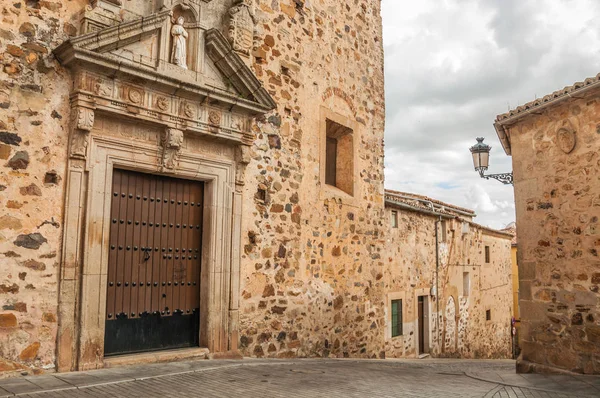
{"points": [[97, 96], [554, 143], [198, 174]]}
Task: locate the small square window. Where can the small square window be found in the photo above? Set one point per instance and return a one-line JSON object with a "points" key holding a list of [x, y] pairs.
{"points": [[339, 157], [394, 219], [396, 318], [488, 315], [487, 254]]}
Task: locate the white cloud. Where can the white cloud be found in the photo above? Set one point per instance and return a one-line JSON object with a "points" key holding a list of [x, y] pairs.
{"points": [[453, 65]]}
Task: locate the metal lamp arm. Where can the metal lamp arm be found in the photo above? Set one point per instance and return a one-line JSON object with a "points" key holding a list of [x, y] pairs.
{"points": [[505, 178]]}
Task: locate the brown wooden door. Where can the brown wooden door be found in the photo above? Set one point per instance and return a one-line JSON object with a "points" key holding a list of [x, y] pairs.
{"points": [[153, 285], [421, 326]]}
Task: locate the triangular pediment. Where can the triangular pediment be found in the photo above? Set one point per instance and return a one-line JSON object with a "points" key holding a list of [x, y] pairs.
{"points": [[141, 49]]}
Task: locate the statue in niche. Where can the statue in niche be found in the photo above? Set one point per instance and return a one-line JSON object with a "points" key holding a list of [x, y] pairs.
{"points": [[180, 35]]}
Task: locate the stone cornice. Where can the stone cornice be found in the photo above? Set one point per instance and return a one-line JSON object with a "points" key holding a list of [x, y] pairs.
{"points": [[120, 97], [231, 65]]}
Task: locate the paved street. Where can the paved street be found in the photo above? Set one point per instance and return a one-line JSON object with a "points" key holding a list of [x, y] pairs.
{"points": [[306, 378]]}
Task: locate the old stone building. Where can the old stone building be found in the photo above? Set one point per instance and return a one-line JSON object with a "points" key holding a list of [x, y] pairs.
{"points": [[208, 166], [207, 176], [554, 143], [457, 303]]}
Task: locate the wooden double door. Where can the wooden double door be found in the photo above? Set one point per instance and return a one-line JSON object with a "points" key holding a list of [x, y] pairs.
{"points": [[153, 286]]}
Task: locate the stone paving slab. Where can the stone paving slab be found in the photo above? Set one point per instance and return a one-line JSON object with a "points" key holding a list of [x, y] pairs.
{"points": [[306, 378], [583, 386]]}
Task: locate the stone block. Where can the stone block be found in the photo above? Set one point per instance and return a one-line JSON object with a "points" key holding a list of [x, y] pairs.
{"points": [[527, 270], [30, 353], [30, 241], [8, 321]]}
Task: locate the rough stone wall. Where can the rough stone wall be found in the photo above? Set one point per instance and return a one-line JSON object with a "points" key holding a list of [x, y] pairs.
{"points": [[411, 271], [312, 266], [558, 207], [33, 135]]}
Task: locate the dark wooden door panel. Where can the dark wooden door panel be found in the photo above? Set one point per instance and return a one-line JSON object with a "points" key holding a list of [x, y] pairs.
{"points": [[154, 263]]}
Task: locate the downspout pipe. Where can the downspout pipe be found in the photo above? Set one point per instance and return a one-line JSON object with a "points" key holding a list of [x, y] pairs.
{"points": [[437, 273]]}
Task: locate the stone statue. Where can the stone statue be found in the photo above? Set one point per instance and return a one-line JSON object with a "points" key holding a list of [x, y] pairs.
{"points": [[180, 35]]}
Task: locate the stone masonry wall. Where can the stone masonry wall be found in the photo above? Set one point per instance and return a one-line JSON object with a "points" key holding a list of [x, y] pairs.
{"points": [[558, 208], [312, 266], [411, 272], [33, 136]]}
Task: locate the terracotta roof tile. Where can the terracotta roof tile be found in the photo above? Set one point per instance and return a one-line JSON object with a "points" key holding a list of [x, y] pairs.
{"points": [[538, 103], [389, 192]]}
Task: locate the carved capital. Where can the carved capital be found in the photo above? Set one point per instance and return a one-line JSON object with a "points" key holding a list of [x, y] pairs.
{"points": [[172, 142], [79, 143], [243, 159], [82, 122], [243, 154], [84, 118]]}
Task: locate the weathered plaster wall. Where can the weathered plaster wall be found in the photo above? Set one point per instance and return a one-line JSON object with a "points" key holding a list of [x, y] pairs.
{"points": [[312, 265], [411, 271], [33, 135], [558, 207]]}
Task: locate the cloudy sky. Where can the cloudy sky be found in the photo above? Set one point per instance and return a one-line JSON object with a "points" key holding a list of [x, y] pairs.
{"points": [[453, 65]]}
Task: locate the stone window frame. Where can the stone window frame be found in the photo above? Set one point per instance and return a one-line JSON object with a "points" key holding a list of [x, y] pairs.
{"points": [[487, 254], [329, 191], [388, 327], [83, 281]]}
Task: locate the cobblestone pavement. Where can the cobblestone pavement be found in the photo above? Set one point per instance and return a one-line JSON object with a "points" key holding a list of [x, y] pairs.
{"points": [[306, 378]]}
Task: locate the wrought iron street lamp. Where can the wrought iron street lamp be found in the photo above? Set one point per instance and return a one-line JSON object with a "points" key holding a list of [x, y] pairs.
{"points": [[481, 161]]}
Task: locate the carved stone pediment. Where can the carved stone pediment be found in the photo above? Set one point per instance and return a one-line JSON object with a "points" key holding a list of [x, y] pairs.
{"points": [[129, 69], [141, 50]]}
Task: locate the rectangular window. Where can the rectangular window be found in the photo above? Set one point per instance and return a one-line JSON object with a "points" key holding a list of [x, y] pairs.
{"points": [[487, 254], [396, 318], [339, 157], [466, 284], [394, 219], [488, 315]]}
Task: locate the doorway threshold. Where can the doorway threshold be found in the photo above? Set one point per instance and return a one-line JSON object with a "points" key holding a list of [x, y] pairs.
{"points": [[156, 357], [423, 356]]}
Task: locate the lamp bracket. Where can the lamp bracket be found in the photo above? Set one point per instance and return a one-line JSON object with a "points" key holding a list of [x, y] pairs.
{"points": [[505, 178]]}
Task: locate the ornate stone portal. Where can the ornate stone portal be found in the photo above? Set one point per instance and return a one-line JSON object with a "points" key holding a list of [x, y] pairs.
{"points": [[125, 115]]}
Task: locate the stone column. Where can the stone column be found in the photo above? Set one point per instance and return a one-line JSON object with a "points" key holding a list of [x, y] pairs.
{"points": [[242, 158], [82, 122]]}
